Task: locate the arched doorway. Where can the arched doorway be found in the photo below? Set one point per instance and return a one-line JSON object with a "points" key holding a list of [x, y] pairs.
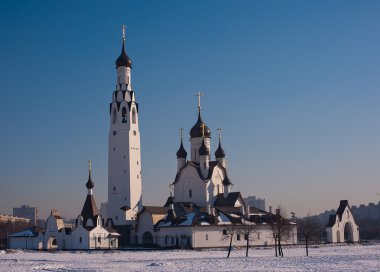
{"points": [[51, 243], [338, 236], [147, 238], [348, 233]]}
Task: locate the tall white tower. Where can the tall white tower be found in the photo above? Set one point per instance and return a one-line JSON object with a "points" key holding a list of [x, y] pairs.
{"points": [[124, 155]]}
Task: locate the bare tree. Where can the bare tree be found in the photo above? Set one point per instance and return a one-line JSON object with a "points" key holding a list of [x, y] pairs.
{"points": [[282, 229], [228, 234], [308, 228], [247, 229]]}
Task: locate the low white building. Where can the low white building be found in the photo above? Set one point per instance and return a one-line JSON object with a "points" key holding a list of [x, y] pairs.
{"points": [[342, 226], [88, 233]]}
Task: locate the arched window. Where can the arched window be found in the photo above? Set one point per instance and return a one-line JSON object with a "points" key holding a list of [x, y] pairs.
{"points": [[238, 237], [80, 239], [133, 116], [124, 115], [224, 232], [114, 116], [190, 193]]}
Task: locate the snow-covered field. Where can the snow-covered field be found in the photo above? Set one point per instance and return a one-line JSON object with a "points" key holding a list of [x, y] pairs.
{"points": [[324, 258]]}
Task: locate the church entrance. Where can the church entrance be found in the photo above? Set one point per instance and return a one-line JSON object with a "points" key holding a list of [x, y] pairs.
{"points": [[51, 243], [147, 239], [348, 233]]}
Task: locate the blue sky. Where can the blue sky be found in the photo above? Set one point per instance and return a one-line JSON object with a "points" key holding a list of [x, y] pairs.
{"points": [[293, 84]]}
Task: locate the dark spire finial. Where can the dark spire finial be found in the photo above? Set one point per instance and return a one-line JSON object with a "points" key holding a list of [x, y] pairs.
{"points": [[219, 153], [181, 153], [90, 183], [123, 59]]}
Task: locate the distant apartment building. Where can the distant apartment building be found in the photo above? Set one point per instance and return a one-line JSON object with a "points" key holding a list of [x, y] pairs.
{"points": [[6, 218], [27, 212], [254, 201]]}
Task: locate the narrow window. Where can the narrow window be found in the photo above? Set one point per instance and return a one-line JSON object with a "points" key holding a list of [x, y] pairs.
{"points": [[238, 237], [133, 116], [80, 239], [114, 116], [246, 237], [117, 217], [99, 240], [224, 232], [206, 236], [124, 115], [114, 149], [218, 188], [137, 162], [190, 193], [114, 188]]}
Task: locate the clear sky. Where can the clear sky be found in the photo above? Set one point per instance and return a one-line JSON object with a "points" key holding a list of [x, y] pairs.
{"points": [[293, 84]]}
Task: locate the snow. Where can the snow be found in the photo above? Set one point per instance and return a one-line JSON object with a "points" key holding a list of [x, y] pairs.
{"points": [[347, 258], [25, 233]]}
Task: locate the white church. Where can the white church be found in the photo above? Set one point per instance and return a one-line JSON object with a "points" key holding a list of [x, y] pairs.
{"points": [[200, 208], [201, 204]]}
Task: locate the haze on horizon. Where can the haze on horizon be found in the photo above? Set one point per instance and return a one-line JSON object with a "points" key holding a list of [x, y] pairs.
{"points": [[293, 84]]}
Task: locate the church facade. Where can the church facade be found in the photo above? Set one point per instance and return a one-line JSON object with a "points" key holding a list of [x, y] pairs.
{"points": [[342, 227]]}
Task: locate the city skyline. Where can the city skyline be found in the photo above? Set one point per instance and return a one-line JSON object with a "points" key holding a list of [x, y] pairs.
{"points": [[294, 87]]}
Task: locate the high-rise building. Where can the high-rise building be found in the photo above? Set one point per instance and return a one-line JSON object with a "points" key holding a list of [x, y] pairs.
{"points": [[27, 212]]}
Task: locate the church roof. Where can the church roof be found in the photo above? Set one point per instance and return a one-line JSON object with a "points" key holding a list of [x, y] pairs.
{"points": [[156, 209], [219, 153], [89, 209], [227, 181], [342, 206], [181, 153], [332, 219], [196, 130], [230, 200], [203, 150], [123, 59], [212, 165]]}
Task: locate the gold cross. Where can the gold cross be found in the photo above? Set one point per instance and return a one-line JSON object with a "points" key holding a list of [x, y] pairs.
{"points": [[89, 166], [199, 94], [220, 133], [124, 27], [203, 130]]}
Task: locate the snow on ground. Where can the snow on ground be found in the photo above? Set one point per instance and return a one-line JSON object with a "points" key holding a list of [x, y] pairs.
{"points": [[324, 258]]}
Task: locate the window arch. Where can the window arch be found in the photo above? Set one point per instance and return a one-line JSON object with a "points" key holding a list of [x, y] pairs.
{"points": [[134, 116], [124, 114], [114, 116]]}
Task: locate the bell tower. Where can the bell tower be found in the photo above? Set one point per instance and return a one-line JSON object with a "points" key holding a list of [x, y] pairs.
{"points": [[124, 155]]}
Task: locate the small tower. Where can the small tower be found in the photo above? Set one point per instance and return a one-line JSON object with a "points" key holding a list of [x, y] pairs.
{"points": [[124, 153], [199, 134], [181, 154], [226, 186], [171, 212], [204, 156], [219, 153], [90, 214]]}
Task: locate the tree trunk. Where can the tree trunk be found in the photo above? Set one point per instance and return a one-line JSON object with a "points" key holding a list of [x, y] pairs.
{"points": [[229, 248], [275, 245], [280, 248], [246, 253], [307, 245]]}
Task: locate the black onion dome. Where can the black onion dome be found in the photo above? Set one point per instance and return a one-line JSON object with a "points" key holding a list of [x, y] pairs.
{"points": [[219, 153], [123, 59], [181, 153], [226, 181], [90, 183], [196, 130], [203, 150]]}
